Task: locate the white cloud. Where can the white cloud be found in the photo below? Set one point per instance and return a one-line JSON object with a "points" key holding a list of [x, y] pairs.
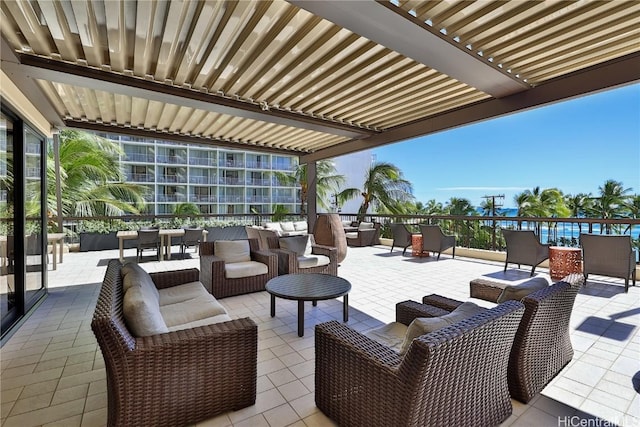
{"points": [[481, 189]]}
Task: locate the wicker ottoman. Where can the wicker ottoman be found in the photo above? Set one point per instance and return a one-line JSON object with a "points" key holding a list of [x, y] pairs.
{"points": [[487, 290]]}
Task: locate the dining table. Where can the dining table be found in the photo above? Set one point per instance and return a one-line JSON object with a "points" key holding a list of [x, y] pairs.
{"points": [[166, 234]]}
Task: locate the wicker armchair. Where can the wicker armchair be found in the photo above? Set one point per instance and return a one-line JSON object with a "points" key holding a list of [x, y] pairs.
{"points": [[364, 236], [290, 263], [434, 240], [213, 275], [176, 378], [401, 236], [542, 346], [523, 247], [360, 382], [609, 256]]}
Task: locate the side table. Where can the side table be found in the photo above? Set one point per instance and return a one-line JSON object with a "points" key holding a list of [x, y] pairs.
{"points": [[564, 261], [416, 246]]}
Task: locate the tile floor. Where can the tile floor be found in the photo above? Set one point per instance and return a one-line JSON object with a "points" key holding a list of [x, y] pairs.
{"points": [[52, 372]]}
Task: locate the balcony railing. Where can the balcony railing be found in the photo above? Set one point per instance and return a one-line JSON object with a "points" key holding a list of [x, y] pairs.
{"points": [[140, 177], [199, 179], [257, 165], [171, 198], [231, 163], [202, 199], [139, 157], [483, 232], [231, 199], [203, 161], [172, 178], [259, 181], [230, 181], [170, 159], [258, 199]]}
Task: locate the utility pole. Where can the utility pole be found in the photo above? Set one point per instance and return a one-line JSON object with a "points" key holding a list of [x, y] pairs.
{"points": [[493, 198]]}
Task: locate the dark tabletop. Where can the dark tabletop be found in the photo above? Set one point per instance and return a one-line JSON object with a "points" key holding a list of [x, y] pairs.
{"points": [[311, 286]]}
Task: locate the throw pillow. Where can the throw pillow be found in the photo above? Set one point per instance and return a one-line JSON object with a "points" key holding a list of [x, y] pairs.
{"points": [[142, 313], [365, 226], [300, 225], [273, 226], [295, 244], [287, 226], [424, 325], [232, 250], [520, 291], [134, 275]]}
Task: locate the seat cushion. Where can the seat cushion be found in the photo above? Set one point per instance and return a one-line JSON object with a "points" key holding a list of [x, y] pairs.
{"points": [[365, 226], [274, 226], [351, 235], [287, 226], [517, 292], [297, 244], [236, 270], [202, 322], [191, 310], [181, 293], [232, 250], [134, 275], [142, 313], [391, 335], [313, 261], [300, 226], [424, 325]]}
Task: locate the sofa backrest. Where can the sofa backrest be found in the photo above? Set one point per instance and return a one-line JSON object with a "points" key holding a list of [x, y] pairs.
{"points": [[108, 322]]}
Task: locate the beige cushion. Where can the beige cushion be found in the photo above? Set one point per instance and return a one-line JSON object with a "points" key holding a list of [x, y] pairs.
{"points": [[365, 226], [300, 226], [424, 325], [181, 293], [191, 310], [202, 322], [142, 313], [346, 223], [351, 235], [391, 335], [295, 244], [274, 226], [232, 250], [245, 269], [517, 292], [313, 261], [287, 226], [134, 275]]}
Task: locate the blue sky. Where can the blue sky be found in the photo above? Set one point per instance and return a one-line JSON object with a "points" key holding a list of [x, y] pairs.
{"points": [[574, 145]]}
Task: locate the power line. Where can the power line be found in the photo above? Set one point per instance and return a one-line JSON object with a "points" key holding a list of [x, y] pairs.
{"points": [[493, 198]]}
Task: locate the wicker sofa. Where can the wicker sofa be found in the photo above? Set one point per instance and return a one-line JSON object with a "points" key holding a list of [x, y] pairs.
{"points": [[542, 346], [361, 382], [175, 378]]}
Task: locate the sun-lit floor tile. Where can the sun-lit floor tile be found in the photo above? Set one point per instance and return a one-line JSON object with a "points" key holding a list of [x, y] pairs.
{"points": [[53, 373]]}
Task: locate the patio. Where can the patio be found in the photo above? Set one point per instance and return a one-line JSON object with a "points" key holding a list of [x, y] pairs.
{"points": [[53, 372]]}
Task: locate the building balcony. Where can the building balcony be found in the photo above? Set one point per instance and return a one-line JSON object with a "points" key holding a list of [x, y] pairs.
{"points": [[265, 182], [202, 199], [257, 165], [172, 178], [199, 180], [175, 160], [231, 163], [231, 181], [202, 161], [171, 198], [140, 177], [231, 199], [139, 158]]}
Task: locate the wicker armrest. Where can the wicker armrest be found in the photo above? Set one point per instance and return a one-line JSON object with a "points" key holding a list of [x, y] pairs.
{"points": [[287, 261], [168, 279], [266, 257], [211, 269], [439, 301], [328, 251], [407, 311], [342, 342]]}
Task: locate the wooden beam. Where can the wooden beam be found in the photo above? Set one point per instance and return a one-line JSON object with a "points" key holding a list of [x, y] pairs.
{"points": [[387, 25], [615, 73], [149, 134], [77, 75]]}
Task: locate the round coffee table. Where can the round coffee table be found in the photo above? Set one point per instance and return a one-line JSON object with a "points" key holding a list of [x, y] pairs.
{"points": [[308, 287]]}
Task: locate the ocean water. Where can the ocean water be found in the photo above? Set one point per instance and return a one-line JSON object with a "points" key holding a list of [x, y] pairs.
{"points": [[563, 230]]}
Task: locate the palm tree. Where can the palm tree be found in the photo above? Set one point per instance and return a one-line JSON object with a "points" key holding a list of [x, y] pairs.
{"points": [[91, 182], [384, 188], [327, 181], [611, 202], [578, 206], [460, 206]]}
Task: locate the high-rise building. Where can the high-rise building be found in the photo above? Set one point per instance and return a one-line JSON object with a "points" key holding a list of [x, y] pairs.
{"points": [[217, 180]]}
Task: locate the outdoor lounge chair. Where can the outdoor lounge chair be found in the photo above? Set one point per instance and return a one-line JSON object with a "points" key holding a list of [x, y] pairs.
{"points": [[401, 236], [542, 346], [308, 258], [455, 376], [191, 237], [148, 239], [368, 234], [609, 255], [523, 247], [235, 268], [434, 240]]}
